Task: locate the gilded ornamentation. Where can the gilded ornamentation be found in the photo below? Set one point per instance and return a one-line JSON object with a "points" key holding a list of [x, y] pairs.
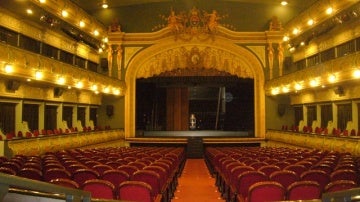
{"points": [[194, 24], [195, 57], [275, 24], [270, 59]]}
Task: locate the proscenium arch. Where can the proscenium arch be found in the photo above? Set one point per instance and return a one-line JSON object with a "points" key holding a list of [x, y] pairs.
{"points": [[247, 59]]}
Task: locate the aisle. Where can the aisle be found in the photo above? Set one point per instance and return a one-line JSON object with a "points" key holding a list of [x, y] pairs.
{"points": [[196, 184]]}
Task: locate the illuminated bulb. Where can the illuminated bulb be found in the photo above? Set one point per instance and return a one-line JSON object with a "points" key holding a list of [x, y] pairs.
{"points": [[298, 86], [285, 89], [292, 49], [332, 78], [42, 1], [38, 75], [314, 83], [29, 11], [104, 5], [96, 92], [296, 31], [356, 74], [329, 10], [275, 91], [105, 40], [61, 80], [82, 23], [100, 50], [28, 80], [64, 13], [106, 90], [79, 85], [310, 22], [116, 92], [8, 69], [94, 87], [285, 38], [96, 33], [302, 43], [284, 3]]}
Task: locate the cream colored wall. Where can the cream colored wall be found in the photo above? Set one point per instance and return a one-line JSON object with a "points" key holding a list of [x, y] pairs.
{"points": [[118, 119], [273, 119]]}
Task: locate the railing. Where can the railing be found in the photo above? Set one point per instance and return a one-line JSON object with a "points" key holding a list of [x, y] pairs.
{"points": [[23, 187]]}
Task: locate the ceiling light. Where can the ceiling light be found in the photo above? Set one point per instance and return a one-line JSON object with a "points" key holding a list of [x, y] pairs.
{"points": [[82, 23], [310, 22], [96, 33], [42, 1], [284, 3], [64, 13], [94, 87], [298, 86], [275, 91], [329, 10], [8, 68], [286, 38], [38, 75], [314, 83], [285, 89], [104, 5], [296, 31], [302, 43], [61, 80], [29, 11], [79, 85], [356, 73], [332, 78]]}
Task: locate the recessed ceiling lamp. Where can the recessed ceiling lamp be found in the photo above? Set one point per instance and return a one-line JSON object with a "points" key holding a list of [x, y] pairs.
{"points": [[104, 4], [284, 3]]}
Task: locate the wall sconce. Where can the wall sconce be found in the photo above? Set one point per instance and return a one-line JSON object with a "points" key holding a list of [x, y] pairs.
{"points": [[8, 68], [39, 75]]}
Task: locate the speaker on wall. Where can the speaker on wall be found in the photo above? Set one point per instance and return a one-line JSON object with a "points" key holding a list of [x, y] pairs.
{"points": [[58, 91], [339, 90], [12, 85], [109, 110]]}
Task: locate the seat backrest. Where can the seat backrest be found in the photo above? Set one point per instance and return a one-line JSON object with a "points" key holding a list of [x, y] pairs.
{"points": [[150, 177], [135, 191], [30, 173], [304, 190], [101, 168], [129, 169], [54, 173], [339, 185], [344, 174], [248, 178], [65, 182], [81, 175], [318, 176], [269, 169], [100, 189], [116, 177], [284, 177], [298, 169], [266, 191]]}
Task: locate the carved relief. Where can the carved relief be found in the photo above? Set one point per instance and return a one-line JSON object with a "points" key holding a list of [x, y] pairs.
{"points": [[195, 58]]}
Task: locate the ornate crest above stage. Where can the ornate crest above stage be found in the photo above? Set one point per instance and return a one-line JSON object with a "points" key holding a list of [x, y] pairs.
{"points": [[195, 23]]}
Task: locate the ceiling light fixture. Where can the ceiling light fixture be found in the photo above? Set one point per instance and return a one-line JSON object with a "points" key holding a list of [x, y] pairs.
{"points": [[284, 3], [104, 4], [329, 10]]}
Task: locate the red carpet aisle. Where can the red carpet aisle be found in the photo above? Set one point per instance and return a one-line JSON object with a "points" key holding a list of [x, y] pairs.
{"points": [[196, 184]]}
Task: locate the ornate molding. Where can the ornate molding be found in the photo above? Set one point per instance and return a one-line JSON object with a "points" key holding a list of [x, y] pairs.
{"points": [[195, 57]]}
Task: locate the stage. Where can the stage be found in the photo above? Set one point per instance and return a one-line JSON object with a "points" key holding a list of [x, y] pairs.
{"points": [[195, 133]]}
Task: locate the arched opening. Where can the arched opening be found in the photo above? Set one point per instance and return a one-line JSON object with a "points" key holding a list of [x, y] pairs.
{"points": [[219, 54]]}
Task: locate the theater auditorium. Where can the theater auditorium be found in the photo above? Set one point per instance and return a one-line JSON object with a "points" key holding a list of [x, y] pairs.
{"points": [[179, 100]]}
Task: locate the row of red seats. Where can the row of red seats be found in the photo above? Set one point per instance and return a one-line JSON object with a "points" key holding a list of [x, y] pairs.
{"points": [[323, 131], [153, 169], [43, 132], [237, 169]]}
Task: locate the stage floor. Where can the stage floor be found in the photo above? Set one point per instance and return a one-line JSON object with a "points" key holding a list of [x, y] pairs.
{"points": [[196, 133]]}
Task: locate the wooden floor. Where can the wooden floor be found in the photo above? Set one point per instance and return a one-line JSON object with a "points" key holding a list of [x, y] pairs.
{"points": [[196, 184]]}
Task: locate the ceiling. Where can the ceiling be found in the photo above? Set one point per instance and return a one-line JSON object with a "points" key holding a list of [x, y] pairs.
{"points": [[239, 15], [146, 15]]}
